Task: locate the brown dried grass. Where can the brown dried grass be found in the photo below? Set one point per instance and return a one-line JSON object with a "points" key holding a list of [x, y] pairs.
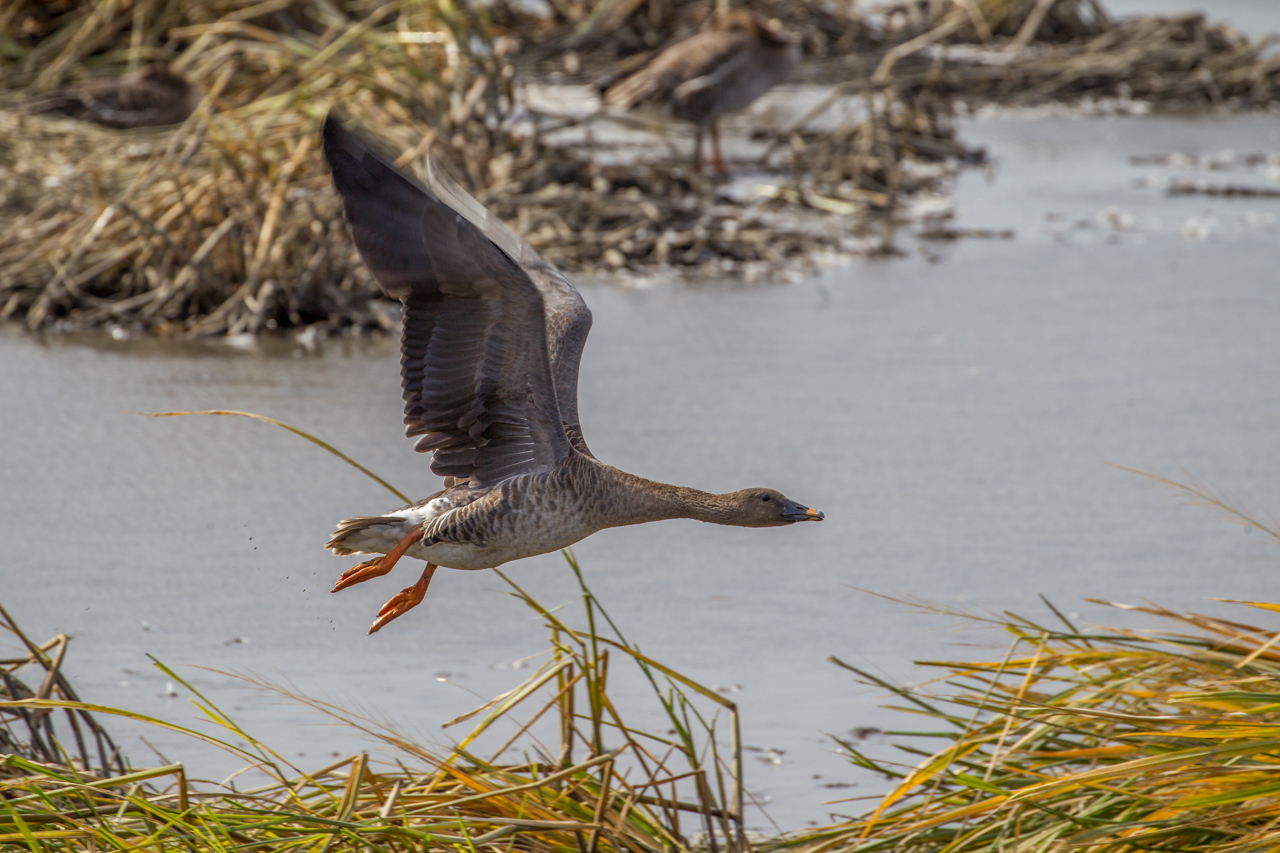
{"points": [[228, 224], [1061, 50]]}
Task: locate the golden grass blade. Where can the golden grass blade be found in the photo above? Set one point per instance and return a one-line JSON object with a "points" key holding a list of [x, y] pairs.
{"points": [[506, 701], [926, 771], [1203, 495], [73, 785], [143, 718]]}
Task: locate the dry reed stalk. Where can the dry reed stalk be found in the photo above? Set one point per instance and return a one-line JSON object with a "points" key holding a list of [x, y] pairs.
{"points": [[1019, 22], [72, 739]]}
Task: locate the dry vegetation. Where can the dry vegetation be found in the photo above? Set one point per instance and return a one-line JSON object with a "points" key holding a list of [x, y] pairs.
{"points": [[605, 786], [1104, 739], [1088, 738], [1076, 739], [46, 735], [1069, 49], [227, 224]]}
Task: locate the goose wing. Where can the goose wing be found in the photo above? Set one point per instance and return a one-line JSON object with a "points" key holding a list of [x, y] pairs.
{"points": [[475, 359], [568, 319]]}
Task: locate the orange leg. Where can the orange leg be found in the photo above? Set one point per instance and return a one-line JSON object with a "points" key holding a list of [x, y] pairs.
{"points": [[380, 566], [404, 601]]}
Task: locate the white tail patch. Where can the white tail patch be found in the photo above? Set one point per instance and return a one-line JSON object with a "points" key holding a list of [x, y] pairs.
{"points": [[365, 534]]}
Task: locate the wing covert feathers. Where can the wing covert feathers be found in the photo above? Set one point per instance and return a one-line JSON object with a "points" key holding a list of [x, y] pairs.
{"points": [[479, 357]]}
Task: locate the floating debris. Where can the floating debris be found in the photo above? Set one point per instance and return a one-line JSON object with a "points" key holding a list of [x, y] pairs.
{"points": [[952, 234], [1221, 190], [1225, 160]]}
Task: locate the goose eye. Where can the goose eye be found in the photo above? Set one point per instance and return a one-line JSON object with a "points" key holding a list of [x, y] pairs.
{"points": [[764, 497]]}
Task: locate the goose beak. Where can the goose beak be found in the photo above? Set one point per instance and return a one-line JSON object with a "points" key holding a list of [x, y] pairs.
{"points": [[796, 512]]}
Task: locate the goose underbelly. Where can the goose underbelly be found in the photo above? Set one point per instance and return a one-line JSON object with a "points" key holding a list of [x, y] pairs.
{"points": [[518, 541], [515, 536]]}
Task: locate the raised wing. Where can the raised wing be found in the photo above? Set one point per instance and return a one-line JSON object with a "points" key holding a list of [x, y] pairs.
{"points": [[568, 320], [568, 323], [475, 359]]}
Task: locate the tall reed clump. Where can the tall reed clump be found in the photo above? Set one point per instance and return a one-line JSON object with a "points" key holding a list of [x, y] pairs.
{"points": [[228, 224], [608, 786], [1107, 739]]}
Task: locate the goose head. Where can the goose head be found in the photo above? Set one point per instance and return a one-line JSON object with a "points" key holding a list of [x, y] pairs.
{"points": [[766, 508]]}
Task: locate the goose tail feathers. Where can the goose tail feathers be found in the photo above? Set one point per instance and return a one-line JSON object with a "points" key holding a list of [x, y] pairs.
{"points": [[368, 534]]}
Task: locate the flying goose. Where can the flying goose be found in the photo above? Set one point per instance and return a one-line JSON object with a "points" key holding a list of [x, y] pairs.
{"points": [[490, 350], [717, 71], [151, 96]]}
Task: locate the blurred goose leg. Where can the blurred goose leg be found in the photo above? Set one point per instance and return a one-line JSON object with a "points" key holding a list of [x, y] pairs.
{"points": [[717, 162], [379, 567], [697, 151], [404, 601]]}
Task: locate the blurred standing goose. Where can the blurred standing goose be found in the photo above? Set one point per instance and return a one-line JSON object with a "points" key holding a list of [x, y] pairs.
{"points": [[492, 339], [151, 96], [712, 73]]}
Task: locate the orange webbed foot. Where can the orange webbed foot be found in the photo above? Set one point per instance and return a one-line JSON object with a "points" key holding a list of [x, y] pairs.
{"points": [[404, 601], [380, 566], [363, 572]]}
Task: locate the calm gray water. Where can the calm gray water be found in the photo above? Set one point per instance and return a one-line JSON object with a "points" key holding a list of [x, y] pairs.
{"points": [[952, 411], [1256, 18]]}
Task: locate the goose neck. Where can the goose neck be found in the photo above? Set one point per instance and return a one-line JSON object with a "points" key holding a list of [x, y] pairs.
{"points": [[654, 501]]}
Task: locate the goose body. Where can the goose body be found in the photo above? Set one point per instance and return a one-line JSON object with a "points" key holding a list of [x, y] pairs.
{"points": [[151, 96], [718, 71], [471, 529], [492, 341]]}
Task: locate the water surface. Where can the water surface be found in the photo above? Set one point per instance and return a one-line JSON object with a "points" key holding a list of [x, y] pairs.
{"points": [[952, 411]]}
